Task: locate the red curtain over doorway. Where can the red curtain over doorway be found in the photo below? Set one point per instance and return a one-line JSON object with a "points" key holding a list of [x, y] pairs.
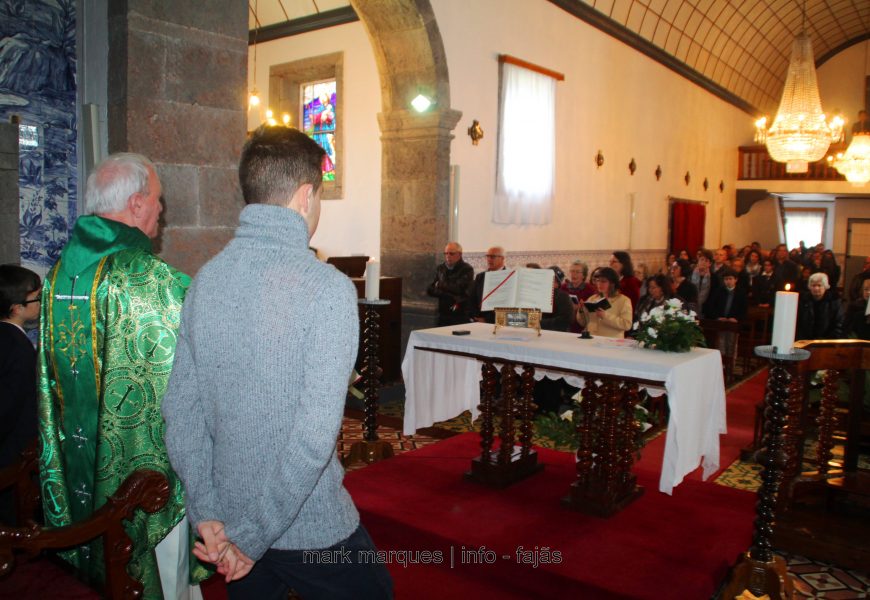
{"points": [[687, 226]]}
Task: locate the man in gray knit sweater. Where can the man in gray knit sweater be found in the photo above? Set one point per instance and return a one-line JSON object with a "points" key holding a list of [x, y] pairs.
{"points": [[267, 342]]}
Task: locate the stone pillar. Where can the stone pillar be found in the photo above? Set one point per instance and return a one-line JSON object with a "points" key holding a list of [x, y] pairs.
{"points": [[10, 248], [415, 190], [177, 94]]}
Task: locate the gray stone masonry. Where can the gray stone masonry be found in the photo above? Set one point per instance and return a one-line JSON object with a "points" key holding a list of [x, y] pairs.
{"points": [[177, 94]]}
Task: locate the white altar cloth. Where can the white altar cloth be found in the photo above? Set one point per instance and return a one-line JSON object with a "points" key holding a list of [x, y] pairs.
{"points": [[440, 386]]}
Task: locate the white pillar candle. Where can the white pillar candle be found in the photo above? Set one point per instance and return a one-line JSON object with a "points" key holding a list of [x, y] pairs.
{"points": [[373, 280], [784, 321]]}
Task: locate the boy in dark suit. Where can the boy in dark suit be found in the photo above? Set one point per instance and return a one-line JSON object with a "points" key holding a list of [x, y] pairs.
{"points": [[727, 303], [19, 304]]}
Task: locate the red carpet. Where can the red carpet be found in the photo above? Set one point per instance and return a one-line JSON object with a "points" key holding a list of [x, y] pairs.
{"points": [[679, 546], [740, 415], [659, 547]]}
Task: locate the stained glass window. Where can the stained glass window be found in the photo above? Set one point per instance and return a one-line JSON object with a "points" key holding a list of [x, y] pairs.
{"points": [[318, 119]]}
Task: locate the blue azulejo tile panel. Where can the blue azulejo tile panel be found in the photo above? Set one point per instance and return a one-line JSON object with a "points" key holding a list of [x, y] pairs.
{"points": [[38, 85]]}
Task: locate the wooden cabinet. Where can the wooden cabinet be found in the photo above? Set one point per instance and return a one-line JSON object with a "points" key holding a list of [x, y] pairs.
{"points": [[390, 343]]}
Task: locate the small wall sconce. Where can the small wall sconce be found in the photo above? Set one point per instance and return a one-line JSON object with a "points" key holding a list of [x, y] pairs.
{"points": [[687, 178], [632, 166], [721, 186], [706, 184], [475, 132], [658, 172], [599, 159]]}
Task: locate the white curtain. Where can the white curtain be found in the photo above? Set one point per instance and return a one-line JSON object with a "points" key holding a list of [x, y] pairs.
{"points": [[806, 225], [526, 149]]}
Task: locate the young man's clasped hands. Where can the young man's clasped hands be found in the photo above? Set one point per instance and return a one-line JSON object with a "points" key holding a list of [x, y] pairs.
{"points": [[217, 549]]}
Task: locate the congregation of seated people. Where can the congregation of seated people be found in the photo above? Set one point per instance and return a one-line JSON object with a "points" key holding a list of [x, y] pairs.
{"points": [[721, 284], [754, 276]]}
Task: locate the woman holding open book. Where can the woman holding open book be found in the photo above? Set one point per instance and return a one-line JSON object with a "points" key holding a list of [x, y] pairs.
{"points": [[607, 313]]}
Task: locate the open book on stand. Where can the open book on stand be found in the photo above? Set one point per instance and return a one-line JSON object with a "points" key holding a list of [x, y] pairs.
{"points": [[518, 288]]}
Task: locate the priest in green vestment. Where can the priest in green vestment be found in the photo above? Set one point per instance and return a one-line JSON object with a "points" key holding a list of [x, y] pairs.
{"points": [[110, 313]]}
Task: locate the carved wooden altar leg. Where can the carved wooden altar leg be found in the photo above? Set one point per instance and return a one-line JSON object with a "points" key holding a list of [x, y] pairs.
{"points": [[609, 442], [607, 485], [510, 464], [487, 404], [630, 436], [760, 571], [370, 449], [585, 434], [508, 404], [527, 409]]}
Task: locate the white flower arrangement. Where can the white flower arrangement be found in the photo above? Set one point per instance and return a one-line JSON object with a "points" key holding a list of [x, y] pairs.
{"points": [[669, 328]]}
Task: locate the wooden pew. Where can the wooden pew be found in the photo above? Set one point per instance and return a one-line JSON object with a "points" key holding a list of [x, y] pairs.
{"points": [[145, 489], [823, 505], [754, 331], [725, 337]]}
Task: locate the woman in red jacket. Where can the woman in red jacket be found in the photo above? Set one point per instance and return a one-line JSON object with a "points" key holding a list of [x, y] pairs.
{"points": [[629, 285]]}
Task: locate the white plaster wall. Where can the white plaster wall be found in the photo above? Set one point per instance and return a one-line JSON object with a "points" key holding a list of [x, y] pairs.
{"points": [[847, 208], [613, 99], [762, 221], [351, 225], [841, 82]]}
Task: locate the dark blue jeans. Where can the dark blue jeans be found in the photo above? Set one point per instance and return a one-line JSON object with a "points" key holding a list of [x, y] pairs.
{"points": [[332, 573]]}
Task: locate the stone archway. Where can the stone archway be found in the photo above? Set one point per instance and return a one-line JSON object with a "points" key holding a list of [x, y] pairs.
{"points": [[415, 166]]}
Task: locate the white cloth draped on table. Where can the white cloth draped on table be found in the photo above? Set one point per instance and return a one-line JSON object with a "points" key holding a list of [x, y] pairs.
{"points": [[440, 386]]}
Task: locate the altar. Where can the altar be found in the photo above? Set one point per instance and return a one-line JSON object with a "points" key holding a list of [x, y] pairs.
{"points": [[442, 375]]}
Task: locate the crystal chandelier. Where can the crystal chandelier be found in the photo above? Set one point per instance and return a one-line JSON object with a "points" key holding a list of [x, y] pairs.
{"points": [[800, 133], [254, 95], [854, 164], [264, 114]]}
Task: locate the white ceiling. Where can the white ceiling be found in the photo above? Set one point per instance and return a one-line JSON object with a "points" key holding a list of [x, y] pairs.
{"points": [[271, 12]]}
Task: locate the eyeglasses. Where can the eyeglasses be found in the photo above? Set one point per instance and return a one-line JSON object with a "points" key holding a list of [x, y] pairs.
{"points": [[26, 302], [494, 256]]}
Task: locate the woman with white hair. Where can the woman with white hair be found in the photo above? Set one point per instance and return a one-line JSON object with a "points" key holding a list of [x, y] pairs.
{"points": [[820, 313]]}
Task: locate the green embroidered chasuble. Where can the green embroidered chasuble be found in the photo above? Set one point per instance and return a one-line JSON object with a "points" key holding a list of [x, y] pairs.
{"points": [[110, 314]]}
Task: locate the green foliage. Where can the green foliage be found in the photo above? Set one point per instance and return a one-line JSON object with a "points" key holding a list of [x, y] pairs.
{"points": [[558, 431]]}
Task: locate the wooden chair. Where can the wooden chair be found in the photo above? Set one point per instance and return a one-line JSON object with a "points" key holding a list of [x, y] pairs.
{"points": [[754, 331], [823, 508], [725, 337], [145, 489]]}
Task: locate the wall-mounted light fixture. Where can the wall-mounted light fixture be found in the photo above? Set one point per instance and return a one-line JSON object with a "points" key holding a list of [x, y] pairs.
{"points": [[599, 159], [475, 132], [687, 178], [706, 184], [658, 172], [421, 103], [632, 166]]}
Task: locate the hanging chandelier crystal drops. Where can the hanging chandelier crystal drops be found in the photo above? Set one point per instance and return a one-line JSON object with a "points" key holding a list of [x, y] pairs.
{"points": [[854, 164], [800, 133]]}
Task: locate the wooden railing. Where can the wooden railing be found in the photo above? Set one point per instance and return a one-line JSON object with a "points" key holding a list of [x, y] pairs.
{"points": [[756, 163]]}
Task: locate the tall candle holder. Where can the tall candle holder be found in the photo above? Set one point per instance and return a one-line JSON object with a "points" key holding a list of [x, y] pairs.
{"points": [[370, 449], [758, 570]]}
